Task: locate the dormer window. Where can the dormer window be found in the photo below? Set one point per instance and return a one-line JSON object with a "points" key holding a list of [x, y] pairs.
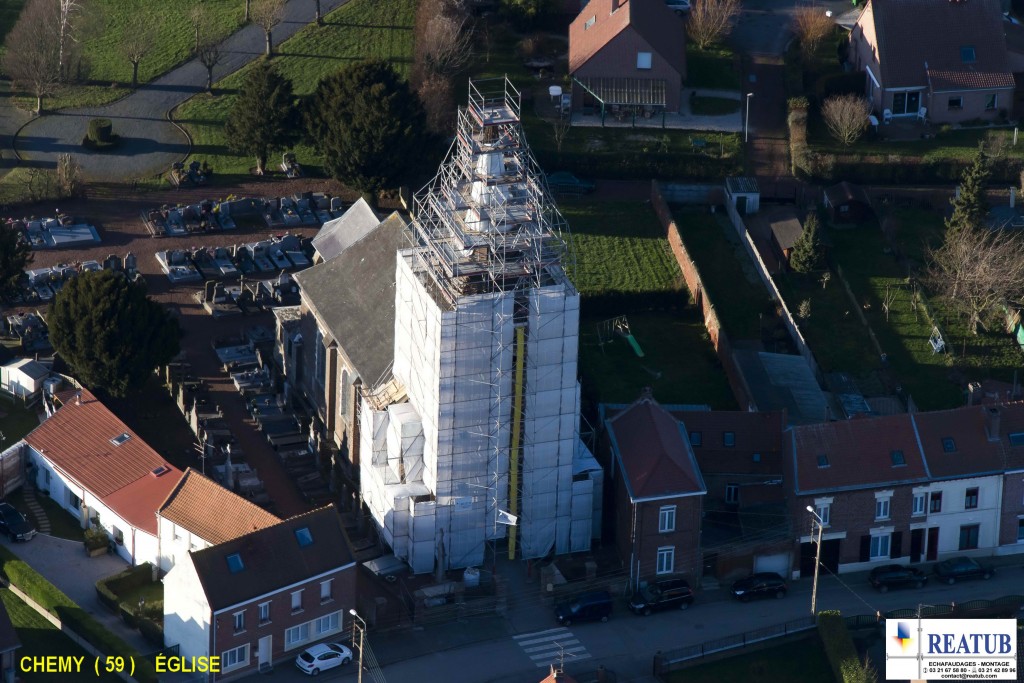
{"points": [[823, 461], [898, 460], [948, 444], [967, 54]]}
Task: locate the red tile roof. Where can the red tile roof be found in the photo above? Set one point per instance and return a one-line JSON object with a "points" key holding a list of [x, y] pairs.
{"points": [[973, 440], [757, 434], [857, 454], [653, 453], [651, 19], [210, 511], [77, 441], [914, 33]]}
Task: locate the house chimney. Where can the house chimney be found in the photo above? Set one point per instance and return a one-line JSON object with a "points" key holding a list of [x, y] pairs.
{"points": [[992, 423], [78, 398], [974, 393]]}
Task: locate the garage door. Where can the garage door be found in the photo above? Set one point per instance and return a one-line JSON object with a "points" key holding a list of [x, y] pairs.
{"points": [[772, 563]]}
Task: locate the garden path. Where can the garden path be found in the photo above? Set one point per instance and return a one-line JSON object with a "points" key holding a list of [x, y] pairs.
{"points": [[150, 143]]}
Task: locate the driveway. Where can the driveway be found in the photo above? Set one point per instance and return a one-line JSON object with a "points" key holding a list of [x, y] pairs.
{"points": [[149, 142], [765, 26], [65, 564]]}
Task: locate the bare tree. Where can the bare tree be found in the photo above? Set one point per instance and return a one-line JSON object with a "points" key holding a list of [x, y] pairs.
{"points": [[711, 20], [69, 176], [137, 40], [976, 270], [446, 44], [32, 57], [209, 57], [198, 16], [67, 30], [560, 129], [267, 14], [438, 97], [846, 117], [811, 26]]}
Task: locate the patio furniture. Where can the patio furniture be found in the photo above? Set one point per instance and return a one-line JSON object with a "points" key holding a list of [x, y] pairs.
{"points": [[873, 120], [922, 114], [887, 116]]}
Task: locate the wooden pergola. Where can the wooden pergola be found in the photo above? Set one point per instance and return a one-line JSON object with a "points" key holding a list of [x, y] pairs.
{"points": [[626, 97]]}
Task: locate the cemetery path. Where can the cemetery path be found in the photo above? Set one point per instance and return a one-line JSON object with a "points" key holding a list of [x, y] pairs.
{"points": [[150, 143]]}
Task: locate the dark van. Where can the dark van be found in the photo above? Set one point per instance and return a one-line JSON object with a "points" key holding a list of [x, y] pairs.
{"points": [[592, 606]]}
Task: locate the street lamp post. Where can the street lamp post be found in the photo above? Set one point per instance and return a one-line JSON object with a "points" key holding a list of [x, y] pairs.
{"points": [[817, 560], [746, 120], [361, 627]]}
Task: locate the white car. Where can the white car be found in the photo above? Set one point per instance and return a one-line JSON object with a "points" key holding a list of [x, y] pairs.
{"points": [[678, 6], [321, 657]]}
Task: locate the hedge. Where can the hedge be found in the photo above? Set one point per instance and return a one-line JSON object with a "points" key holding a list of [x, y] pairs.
{"points": [[110, 588], [30, 582], [643, 165], [839, 647]]}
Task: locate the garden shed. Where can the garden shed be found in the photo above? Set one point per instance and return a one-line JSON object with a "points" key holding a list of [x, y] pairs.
{"points": [[848, 203], [23, 377], [786, 230]]}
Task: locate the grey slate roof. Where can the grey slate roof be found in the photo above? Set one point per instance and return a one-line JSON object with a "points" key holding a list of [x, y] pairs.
{"points": [[338, 235], [786, 227], [354, 295], [30, 367], [272, 558]]}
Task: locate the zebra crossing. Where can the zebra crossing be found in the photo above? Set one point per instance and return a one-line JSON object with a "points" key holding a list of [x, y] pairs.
{"points": [[553, 646]]}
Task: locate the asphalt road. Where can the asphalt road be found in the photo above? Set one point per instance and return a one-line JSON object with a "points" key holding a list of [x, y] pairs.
{"points": [[764, 26], [627, 643]]}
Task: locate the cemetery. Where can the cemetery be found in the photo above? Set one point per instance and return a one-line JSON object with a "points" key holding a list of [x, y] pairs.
{"points": [[54, 233]]}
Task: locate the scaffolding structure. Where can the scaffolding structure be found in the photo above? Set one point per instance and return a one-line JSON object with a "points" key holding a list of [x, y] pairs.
{"points": [[486, 342]]}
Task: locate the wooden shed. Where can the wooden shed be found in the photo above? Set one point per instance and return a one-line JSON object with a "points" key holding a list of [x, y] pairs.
{"points": [[848, 203], [786, 230]]}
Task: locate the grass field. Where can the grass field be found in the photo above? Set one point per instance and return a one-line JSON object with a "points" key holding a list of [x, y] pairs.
{"points": [[728, 274], [15, 421], [711, 68], [713, 106], [40, 638], [9, 11], [802, 661], [361, 29]]}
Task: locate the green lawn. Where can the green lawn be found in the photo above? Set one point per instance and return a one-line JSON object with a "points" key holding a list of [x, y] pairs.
{"points": [[15, 421], [802, 661], [711, 68], [729, 277], [40, 638], [713, 106], [620, 249], [362, 29], [9, 11]]}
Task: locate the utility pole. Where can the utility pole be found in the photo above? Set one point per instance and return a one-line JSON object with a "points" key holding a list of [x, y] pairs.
{"points": [[817, 561], [361, 628]]}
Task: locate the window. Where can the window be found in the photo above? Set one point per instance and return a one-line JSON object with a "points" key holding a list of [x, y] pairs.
{"points": [[898, 459], [880, 546], [239, 622], [948, 444], [666, 559], [177, 533], [919, 503], [991, 101], [346, 392], [1020, 530], [936, 503], [235, 563], [956, 103], [643, 60], [822, 461], [231, 659], [46, 476], [120, 439], [667, 519], [824, 512], [320, 358], [1016, 439], [264, 612], [728, 439], [74, 502], [328, 624], [296, 635], [967, 54], [971, 499], [304, 536], [969, 537], [590, 22], [757, 457], [732, 494], [325, 590], [882, 508], [296, 601], [695, 438]]}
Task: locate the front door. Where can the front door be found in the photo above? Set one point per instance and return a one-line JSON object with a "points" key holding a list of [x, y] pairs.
{"points": [[932, 553], [916, 544], [264, 650]]}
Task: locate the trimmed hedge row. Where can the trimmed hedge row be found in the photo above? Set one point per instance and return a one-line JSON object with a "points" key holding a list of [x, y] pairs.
{"points": [[108, 589], [642, 165], [28, 580], [838, 643]]}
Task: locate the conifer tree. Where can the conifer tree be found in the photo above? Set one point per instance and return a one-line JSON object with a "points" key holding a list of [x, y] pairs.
{"points": [[808, 252], [264, 118], [970, 207]]}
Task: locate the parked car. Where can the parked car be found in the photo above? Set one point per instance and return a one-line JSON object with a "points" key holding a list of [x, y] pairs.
{"points": [[762, 585], [897, 576], [563, 182], [592, 606], [14, 524], [956, 568], [678, 6], [661, 595], [321, 657]]}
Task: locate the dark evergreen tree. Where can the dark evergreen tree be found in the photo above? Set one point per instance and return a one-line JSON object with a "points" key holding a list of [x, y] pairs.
{"points": [[15, 254], [110, 333], [367, 123], [263, 118], [808, 252], [970, 207]]}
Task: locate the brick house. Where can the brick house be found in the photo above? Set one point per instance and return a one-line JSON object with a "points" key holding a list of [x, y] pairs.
{"points": [[658, 492], [263, 597], [916, 64], [627, 57], [199, 513]]}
